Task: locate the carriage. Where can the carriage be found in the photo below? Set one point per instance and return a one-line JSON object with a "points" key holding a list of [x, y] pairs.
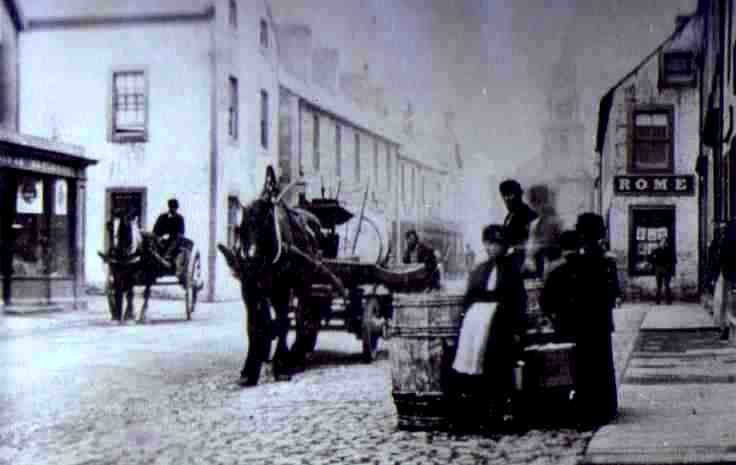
{"points": [[370, 285], [143, 270]]}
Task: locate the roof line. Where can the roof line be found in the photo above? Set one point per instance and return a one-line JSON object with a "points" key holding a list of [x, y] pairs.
{"points": [[92, 21], [606, 101]]}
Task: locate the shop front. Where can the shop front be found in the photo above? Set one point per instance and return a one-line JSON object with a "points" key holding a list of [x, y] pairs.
{"points": [[42, 192]]}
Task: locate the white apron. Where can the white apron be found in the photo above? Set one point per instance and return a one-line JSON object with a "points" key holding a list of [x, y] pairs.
{"points": [[476, 327]]}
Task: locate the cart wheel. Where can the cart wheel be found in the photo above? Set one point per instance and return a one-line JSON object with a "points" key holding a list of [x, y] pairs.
{"points": [[372, 328], [192, 284], [116, 313]]}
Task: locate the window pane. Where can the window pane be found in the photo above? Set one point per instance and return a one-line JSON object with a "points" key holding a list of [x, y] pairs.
{"points": [[659, 120], [31, 244], [129, 101], [643, 119], [61, 236]]}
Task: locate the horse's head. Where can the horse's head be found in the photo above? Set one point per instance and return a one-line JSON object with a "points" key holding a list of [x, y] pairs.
{"points": [[125, 239]]}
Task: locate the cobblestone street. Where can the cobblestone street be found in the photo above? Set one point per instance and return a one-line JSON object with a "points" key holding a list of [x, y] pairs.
{"points": [[83, 390]]}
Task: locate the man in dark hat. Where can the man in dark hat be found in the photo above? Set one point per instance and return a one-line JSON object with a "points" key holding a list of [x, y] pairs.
{"points": [[169, 229], [519, 216]]}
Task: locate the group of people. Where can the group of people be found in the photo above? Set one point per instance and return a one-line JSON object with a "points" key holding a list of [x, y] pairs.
{"points": [[580, 291]]}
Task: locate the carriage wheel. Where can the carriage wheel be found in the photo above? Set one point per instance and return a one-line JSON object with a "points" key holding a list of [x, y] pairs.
{"points": [[192, 284], [115, 312], [372, 328]]}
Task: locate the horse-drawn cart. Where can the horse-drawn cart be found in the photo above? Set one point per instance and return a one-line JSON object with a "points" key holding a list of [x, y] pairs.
{"points": [[142, 267], [370, 286]]}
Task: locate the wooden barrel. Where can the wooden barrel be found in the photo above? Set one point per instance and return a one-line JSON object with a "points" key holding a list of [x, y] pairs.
{"points": [[422, 337]]}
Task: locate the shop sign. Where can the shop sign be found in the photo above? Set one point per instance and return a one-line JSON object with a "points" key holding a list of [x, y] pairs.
{"points": [[39, 166], [654, 185]]}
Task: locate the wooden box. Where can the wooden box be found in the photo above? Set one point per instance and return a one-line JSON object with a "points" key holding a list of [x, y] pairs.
{"points": [[549, 366]]}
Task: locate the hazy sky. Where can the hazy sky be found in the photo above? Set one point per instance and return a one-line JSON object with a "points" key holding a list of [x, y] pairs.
{"points": [[489, 60]]}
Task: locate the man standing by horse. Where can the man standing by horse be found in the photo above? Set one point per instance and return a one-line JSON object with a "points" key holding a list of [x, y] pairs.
{"points": [[169, 229]]}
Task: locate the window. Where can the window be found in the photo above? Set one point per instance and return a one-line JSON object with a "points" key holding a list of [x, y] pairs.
{"points": [[375, 162], [264, 33], [233, 14], [677, 69], [357, 157], [402, 174], [338, 150], [129, 106], [232, 120], [315, 142], [649, 225], [233, 220], [388, 166], [264, 119], [651, 140]]}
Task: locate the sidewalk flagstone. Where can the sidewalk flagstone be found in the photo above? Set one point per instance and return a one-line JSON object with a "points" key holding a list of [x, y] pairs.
{"points": [[677, 398]]}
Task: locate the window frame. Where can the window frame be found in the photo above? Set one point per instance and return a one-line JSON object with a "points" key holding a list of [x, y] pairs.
{"points": [[357, 156], [233, 14], [689, 80], [263, 38], [633, 139], [315, 142], [116, 135], [264, 126], [338, 149], [233, 116]]}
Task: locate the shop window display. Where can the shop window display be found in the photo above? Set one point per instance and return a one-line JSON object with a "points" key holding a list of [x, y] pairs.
{"points": [[648, 227], [42, 228]]}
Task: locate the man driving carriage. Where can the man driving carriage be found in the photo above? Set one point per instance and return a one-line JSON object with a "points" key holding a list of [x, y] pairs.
{"points": [[169, 231]]}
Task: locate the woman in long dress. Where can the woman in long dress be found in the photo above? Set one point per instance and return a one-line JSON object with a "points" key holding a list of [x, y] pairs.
{"points": [[490, 335]]}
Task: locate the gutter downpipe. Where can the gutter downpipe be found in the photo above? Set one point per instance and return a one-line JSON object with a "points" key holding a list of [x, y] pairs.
{"points": [[214, 162]]}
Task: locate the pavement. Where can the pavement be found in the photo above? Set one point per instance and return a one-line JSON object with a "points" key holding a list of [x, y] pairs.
{"points": [[79, 389], [677, 395]]}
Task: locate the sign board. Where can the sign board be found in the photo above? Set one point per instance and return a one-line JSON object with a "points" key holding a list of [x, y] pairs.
{"points": [[40, 166], [654, 185]]}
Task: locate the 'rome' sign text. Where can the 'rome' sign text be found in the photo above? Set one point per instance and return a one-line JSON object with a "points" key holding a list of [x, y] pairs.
{"points": [[654, 185]]}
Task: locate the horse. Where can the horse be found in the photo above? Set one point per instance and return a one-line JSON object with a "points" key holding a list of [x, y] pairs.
{"points": [[131, 262], [277, 255]]}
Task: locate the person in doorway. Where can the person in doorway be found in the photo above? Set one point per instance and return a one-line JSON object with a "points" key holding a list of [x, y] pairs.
{"points": [[663, 260], [419, 252], [518, 219], [493, 323], [169, 230]]}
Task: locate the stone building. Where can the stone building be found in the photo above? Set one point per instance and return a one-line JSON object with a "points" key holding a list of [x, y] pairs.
{"points": [[175, 100], [648, 142], [341, 132], [42, 200]]}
